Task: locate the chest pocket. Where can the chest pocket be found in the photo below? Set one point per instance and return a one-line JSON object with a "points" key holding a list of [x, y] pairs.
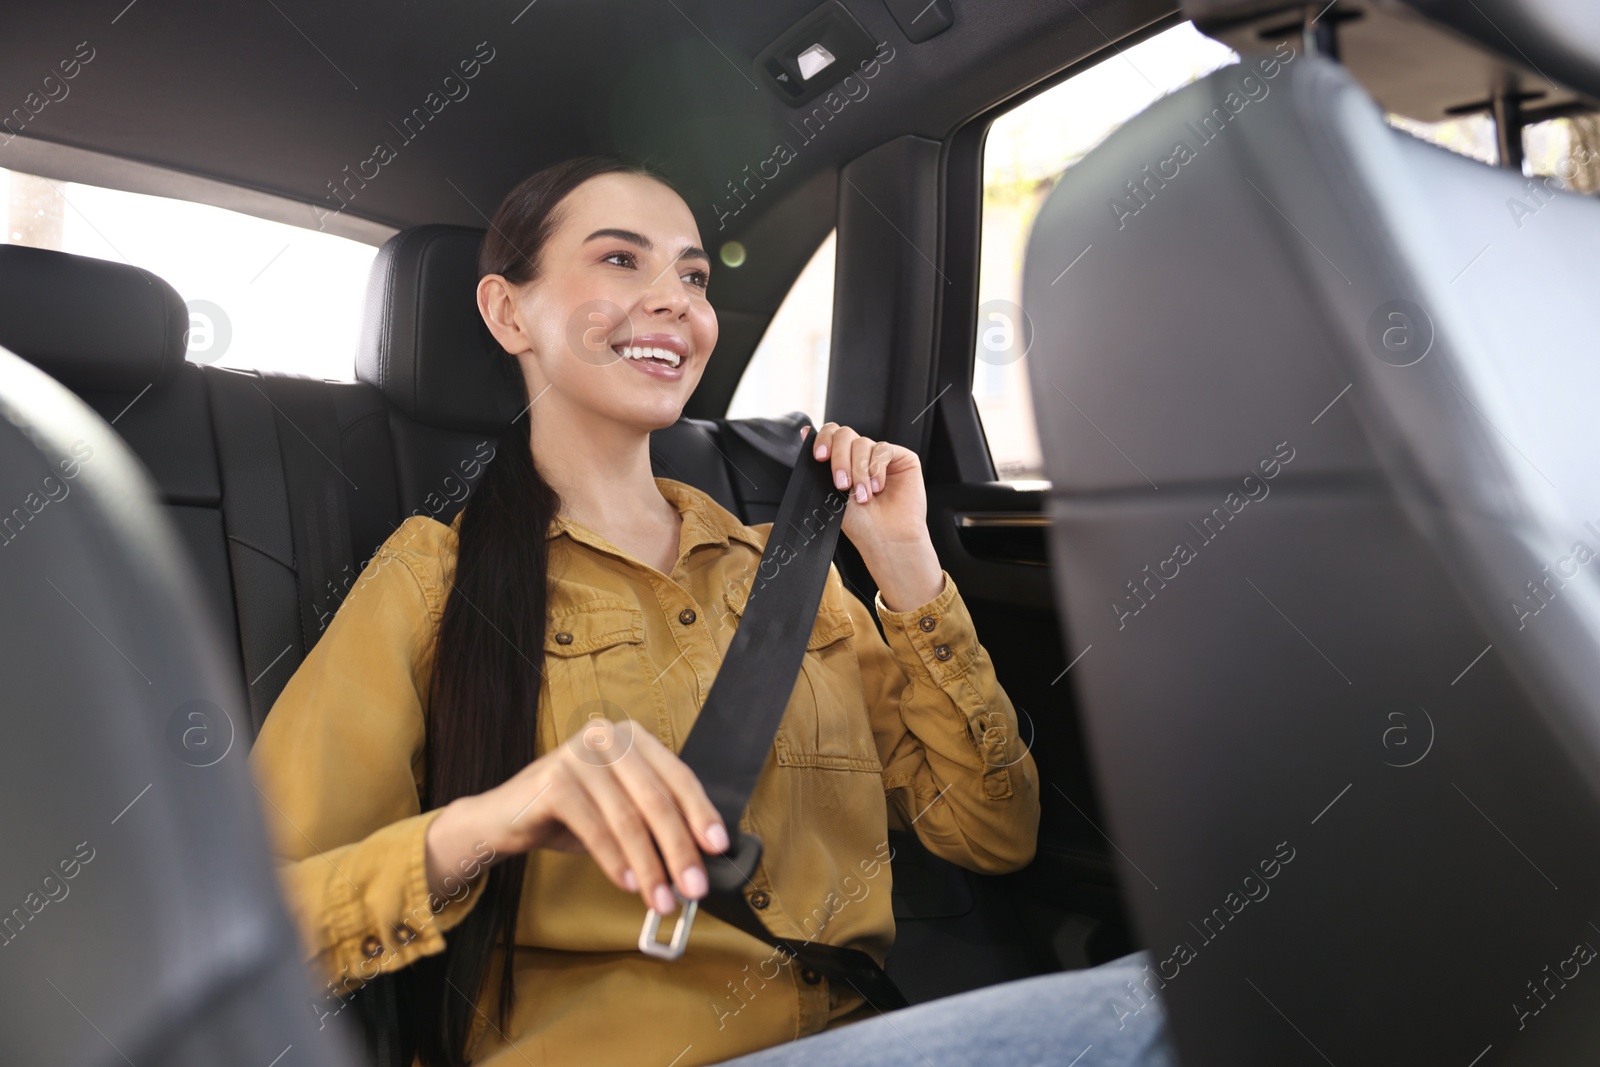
{"points": [[826, 724], [595, 666]]}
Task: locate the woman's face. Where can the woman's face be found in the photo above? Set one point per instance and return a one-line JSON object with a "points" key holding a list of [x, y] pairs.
{"points": [[620, 298]]}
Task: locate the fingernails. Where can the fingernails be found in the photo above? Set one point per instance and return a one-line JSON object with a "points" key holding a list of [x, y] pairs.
{"points": [[861, 493], [665, 902], [841, 479], [693, 881], [877, 486], [821, 452], [717, 836], [630, 881]]}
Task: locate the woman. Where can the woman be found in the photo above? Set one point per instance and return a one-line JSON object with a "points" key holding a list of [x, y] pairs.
{"points": [[429, 773]]}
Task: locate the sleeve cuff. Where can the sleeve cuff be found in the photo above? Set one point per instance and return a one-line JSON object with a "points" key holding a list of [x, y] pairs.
{"points": [[936, 638], [394, 919]]}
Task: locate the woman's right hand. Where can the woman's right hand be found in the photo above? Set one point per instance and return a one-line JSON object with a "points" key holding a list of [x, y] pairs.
{"points": [[611, 790]]}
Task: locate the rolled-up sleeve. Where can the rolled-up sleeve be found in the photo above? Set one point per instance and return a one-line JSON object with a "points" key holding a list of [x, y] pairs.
{"points": [[955, 768], [336, 767]]}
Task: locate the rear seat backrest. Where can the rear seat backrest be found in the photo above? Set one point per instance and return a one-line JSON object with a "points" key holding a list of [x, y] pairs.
{"points": [[115, 335]]}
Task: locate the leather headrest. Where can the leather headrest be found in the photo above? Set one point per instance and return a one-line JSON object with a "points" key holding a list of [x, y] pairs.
{"points": [[423, 343], [90, 324]]}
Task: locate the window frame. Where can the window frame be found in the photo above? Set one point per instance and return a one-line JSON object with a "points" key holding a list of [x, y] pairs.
{"points": [[68, 163], [961, 233]]}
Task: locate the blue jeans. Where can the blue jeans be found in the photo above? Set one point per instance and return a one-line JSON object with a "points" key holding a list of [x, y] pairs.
{"points": [[1071, 1019]]}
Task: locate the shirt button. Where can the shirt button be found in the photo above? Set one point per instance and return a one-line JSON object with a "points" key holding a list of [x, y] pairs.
{"points": [[686, 616], [404, 933], [759, 900], [943, 652], [372, 948], [563, 638], [927, 623], [810, 977]]}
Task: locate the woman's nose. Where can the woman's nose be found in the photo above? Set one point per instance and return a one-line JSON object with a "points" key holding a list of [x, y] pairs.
{"points": [[666, 293]]}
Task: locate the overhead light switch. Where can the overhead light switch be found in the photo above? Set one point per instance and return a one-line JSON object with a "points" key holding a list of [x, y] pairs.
{"points": [[814, 54], [812, 60]]}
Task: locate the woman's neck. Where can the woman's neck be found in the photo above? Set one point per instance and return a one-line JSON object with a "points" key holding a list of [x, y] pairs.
{"points": [[601, 471]]}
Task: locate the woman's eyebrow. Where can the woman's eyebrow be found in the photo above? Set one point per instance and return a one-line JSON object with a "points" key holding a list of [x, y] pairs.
{"points": [[689, 251]]}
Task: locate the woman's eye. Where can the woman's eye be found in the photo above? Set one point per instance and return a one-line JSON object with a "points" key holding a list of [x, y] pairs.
{"points": [[698, 278]]}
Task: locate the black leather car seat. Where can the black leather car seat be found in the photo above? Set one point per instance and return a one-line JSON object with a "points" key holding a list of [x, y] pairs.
{"points": [[116, 336], [1318, 413]]}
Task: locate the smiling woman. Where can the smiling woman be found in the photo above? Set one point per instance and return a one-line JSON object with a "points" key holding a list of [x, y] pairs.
{"points": [[420, 734]]}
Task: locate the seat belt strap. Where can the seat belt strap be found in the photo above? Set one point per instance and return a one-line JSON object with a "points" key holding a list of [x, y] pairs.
{"points": [[732, 737], [731, 740]]}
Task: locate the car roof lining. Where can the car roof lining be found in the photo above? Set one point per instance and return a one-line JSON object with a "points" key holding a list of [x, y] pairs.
{"points": [[292, 99]]}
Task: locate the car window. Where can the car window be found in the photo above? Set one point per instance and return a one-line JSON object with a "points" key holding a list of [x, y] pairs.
{"points": [[1470, 135], [789, 369], [1564, 150], [261, 294], [1026, 151]]}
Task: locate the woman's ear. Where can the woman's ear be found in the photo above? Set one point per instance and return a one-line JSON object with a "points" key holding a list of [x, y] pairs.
{"points": [[497, 303]]}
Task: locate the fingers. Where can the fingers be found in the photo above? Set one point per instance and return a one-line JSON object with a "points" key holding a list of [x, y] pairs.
{"points": [[667, 826], [861, 452], [641, 808], [860, 464], [834, 444], [587, 829], [630, 832], [688, 794], [823, 443], [878, 466]]}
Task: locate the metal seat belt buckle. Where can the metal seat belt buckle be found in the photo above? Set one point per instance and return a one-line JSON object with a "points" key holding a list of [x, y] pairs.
{"points": [[670, 950], [726, 871]]}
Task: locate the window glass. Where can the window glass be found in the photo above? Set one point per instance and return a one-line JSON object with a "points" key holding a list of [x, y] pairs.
{"points": [[789, 370], [1470, 135], [261, 294], [1026, 151], [1566, 149]]}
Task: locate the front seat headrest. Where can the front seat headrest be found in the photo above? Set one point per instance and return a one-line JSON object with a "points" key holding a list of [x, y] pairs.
{"points": [[423, 343], [91, 324]]}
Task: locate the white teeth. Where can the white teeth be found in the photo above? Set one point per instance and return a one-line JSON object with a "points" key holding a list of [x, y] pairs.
{"points": [[635, 352]]}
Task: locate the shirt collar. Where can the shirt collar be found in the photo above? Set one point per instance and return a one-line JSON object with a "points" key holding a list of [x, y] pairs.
{"points": [[705, 522]]}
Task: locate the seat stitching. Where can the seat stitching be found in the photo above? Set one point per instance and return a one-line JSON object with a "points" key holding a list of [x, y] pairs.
{"points": [[261, 551]]}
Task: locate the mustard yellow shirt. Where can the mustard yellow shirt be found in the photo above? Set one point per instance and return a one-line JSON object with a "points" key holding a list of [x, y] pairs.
{"points": [[914, 732]]}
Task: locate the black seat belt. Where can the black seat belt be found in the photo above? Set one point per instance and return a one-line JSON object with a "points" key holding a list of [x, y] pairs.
{"points": [[732, 737]]}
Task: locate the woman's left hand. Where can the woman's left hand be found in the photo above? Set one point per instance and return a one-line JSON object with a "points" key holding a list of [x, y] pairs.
{"points": [[887, 516]]}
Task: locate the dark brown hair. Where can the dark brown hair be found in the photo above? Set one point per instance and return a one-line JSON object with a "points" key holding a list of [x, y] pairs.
{"points": [[484, 698]]}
